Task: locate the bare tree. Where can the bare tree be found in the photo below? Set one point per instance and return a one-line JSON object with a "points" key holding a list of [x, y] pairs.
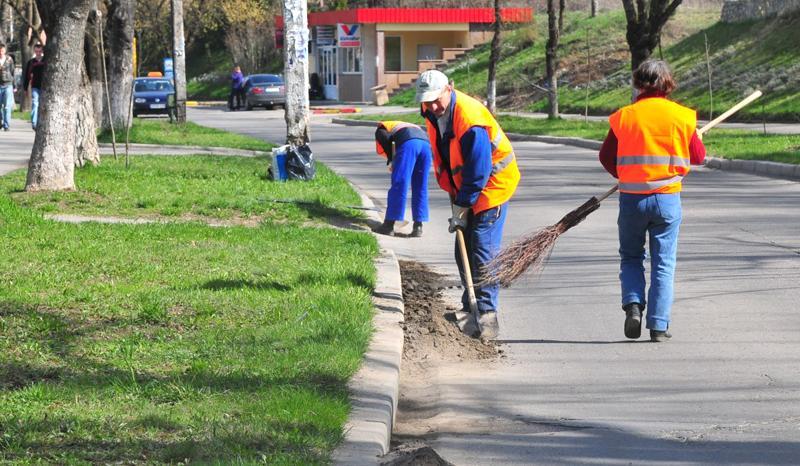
{"points": [[646, 19], [494, 57], [119, 30], [295, 50], [6, 21], [52, 164], [555, 23], [179, 61]]}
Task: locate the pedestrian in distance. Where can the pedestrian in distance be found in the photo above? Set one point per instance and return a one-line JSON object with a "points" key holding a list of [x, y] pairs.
{"points": [[475, 164], [237, 86], [6, 88], [650, 147], [408, 155], [33, 76]]}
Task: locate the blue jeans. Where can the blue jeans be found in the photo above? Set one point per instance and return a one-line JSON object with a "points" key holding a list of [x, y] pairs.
{"points": [[659, 217], [410, 166], [7, 104], [35, 106], [482, 237]]}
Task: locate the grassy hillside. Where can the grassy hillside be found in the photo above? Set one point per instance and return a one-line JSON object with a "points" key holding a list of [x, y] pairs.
{"points": [[754, 55]]}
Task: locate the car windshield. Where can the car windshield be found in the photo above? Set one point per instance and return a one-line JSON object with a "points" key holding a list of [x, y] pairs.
{"points": [[153, 85], [265, 79]]}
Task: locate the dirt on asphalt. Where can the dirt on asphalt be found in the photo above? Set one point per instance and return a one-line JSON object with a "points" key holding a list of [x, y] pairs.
{"points": [[431, 333], [431, 338]]}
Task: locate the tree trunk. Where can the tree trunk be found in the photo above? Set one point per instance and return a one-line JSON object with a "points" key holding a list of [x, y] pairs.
{"points": [[94, 67], [645, 20], [6, 21], [494, 57], [86, 149], [120, 59], [25, 52], [52, 164], [295, 50], [593, 8], [555, 21], [179, 60]]}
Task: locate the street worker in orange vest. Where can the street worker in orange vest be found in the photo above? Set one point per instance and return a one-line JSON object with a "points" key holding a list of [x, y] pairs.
{"points": [[649, 148], [408, 154], [474, 162]]}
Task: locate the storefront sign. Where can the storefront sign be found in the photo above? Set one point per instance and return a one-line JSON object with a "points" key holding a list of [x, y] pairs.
{"points": [[348, 35]]}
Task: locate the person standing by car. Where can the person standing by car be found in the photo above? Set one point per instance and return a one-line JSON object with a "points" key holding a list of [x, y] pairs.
{"points": [[237, 84], [33, 75], [6, 87]]}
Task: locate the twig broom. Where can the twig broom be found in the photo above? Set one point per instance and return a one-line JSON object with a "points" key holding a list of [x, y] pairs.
{"points": [[532, 250]]}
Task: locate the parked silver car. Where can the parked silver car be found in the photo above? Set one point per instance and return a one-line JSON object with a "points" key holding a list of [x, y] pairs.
{"points": [[264, 90]]}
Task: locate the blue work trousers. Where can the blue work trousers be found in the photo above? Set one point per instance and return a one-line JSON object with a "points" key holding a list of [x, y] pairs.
{"points": [[659, 217], [482, 237], [6, 105], [410, 166]]}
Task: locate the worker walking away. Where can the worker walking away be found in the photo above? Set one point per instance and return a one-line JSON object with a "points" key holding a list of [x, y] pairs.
{"points": [[408, 155], [474, 162], [649, 148]]}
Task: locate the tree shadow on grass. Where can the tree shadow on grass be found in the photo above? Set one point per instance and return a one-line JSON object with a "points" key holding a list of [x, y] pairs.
{"points": [[220, 284]]}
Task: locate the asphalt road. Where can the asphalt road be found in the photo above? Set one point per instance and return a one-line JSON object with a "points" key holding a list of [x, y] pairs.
{"points": [[725, 390]]}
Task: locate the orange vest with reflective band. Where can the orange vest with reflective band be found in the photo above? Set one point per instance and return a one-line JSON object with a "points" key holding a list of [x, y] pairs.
{"points": [[394, 127], [653, 137], [468, 112]]}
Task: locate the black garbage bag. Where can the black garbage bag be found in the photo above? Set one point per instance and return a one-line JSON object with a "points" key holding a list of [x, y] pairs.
{"points": [[300, 163]]}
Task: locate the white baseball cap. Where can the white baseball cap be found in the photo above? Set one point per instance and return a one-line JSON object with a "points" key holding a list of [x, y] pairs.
{"points": [[430, 85]]}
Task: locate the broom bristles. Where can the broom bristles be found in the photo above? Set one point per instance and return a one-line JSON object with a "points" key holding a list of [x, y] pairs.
{"points": [[530, 253]]}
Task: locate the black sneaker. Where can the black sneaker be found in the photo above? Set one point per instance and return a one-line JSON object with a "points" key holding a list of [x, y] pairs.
{"points": [[385, 228], [416, 232], [633, 320], [659, 336]]}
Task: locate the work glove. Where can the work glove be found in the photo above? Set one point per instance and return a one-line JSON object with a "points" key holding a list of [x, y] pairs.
{"points": [[459, 218]]}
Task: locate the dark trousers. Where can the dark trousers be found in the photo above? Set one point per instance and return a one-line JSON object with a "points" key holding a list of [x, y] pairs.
{"points": [[236, 99]]}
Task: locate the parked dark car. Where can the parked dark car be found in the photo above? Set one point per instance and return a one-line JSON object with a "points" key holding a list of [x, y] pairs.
{"points": [[264, 90], [153, 96]]}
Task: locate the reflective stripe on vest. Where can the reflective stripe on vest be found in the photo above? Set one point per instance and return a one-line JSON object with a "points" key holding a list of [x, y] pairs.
{"points": [[504, 177], [653, 137]]}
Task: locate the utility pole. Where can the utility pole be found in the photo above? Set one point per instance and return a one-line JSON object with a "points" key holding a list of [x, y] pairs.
{"points": [[295, 59], [179, 61]]}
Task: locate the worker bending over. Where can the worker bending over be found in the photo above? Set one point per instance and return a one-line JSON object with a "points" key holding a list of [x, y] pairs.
{"points": [[649, 148], [474, 162], [408, 154]]}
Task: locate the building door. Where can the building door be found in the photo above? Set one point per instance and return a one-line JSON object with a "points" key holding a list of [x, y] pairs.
{"points": [[327, 71], [393, 53]]}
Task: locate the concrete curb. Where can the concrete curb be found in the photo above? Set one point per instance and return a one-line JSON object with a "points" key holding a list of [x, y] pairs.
{"points": [[374, 390], [786, 171], [159, 149]]}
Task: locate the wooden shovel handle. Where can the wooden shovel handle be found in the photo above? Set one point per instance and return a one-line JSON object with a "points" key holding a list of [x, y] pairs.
{"points": [[728, 113]]}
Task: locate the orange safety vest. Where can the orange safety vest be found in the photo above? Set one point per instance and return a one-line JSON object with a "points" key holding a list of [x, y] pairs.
{"points": [[394, 127], [467, 113], [653, 138]]}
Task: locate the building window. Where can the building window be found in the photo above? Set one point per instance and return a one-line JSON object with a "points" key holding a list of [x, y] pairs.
{"points": [[351, 60], [392, 54]]}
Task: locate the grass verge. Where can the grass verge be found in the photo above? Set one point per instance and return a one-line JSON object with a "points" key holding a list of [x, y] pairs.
{"points": [[730, 144], [178, 342], [188, 134]]}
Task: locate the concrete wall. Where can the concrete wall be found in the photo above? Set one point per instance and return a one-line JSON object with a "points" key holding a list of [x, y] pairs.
{"points": [[734, 11], [350, 88], [369, 56], [411, 39]]}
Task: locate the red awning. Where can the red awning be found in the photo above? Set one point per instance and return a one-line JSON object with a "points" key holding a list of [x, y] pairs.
{"points": [[414, 15]]}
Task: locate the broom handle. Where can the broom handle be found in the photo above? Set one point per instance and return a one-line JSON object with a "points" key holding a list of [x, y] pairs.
{"points": [[702, 130], [473, 303]]}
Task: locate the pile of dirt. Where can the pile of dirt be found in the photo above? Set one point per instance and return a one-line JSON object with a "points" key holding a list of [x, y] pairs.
{"points": [[431, 333], [414, 454]]}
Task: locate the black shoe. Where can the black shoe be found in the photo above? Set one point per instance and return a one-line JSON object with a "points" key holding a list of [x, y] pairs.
{"points": [[659, 336], [6, 129], [416, 232], [633, 320], [385, 228]]}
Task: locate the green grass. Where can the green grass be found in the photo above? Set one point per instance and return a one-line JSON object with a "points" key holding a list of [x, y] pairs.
{"points": [[178, 342], [193, 187], [18, 115], [731, 144], [744, 56], [189, 134]]}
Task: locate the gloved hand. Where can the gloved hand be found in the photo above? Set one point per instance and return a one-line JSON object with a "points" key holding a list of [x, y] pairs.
{"points": [[459, 218]]}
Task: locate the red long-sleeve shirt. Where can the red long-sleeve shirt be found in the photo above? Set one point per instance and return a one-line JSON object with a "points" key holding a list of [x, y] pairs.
{"points": [[608, 152]]}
